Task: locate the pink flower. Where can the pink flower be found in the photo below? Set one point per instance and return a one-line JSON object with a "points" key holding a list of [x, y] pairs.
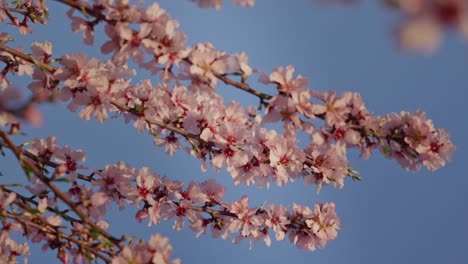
{"points": [[32, 115], [216, 4], [421, 34], [287, 159], [203, 122], [239, 63], [142, 101], [156, 250], [44, 86], [277, 219], [248, 3], [280, 108], [235, 114], [114, 43], [206, 61], [247, 221], [20, 67], [325, 222], [193, 194], [44, 149], [413, 140], [42, 51], [154, 13], [146, 182], [329, 165], [303, 240], [135, 253], [76, 70], [335, 109], [301, 100], [71, 159], [439, 151], [214, 191], [91, 203], [199, 225], [11, 248], [171, 142], [6, 201], [132, 42], [97, 100], [161, 250], [283, 78], [229, 157], [156, 213], [426, 20], [141, 214], [116, 181], [301, 237], [252, 172]]}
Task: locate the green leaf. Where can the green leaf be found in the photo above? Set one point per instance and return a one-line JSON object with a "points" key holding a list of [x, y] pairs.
{"points": [[46, 11], [354, 174], [236, 73], [95, 233], [27, 170], [219, 222], [83, 10], [131, 239], [64, 179], [40, 66], [106, 243], [6, 39], [194, 146], [44, 170], [262, 207], [89, 256], [356, 178], [16, 2], [385, 150]]}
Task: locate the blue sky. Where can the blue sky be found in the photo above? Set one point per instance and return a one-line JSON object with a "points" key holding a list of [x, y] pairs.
{"points": [[392, 216]]}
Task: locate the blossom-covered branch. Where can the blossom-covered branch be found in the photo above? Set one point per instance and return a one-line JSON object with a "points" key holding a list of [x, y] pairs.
{"points": [[31, 168], [158, 198], [234, 138]]}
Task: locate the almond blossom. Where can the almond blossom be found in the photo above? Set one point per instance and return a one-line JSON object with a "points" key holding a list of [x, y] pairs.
{"points": [[181, 110]]}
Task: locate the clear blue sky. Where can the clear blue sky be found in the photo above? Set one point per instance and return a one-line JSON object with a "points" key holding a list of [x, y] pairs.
{"points": [[392, 216]]}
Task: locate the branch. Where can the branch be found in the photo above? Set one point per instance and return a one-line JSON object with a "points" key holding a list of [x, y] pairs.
{"points": [[56, 233], [27, 58], [37, 172]]}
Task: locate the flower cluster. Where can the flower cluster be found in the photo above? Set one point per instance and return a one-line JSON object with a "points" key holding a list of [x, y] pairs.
{"points": [[158, 198], [156, 250], [231, 136], [425, 21], [413, 141], [67, 160], [203, 206], [200, 203], [21, 13], [81, 245], [9, 248]]}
